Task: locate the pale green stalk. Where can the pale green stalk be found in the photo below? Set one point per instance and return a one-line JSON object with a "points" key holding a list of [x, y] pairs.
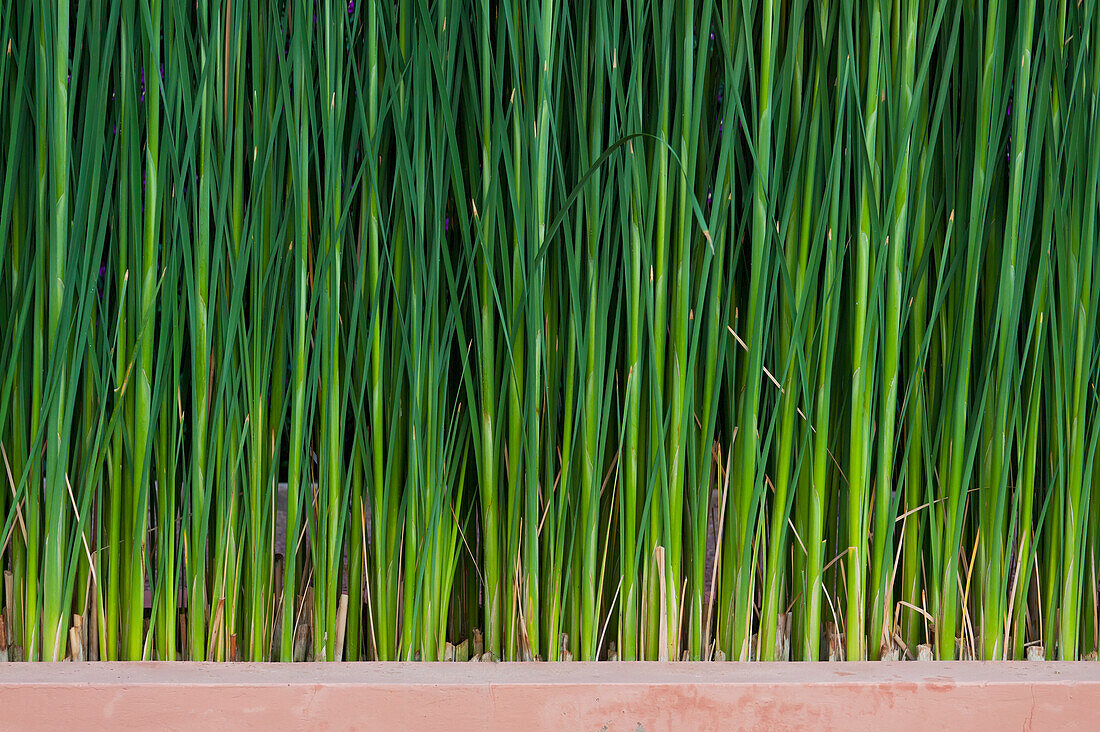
{"points": [[880, 632], [298, 449], [760, 266], [957, 481]]}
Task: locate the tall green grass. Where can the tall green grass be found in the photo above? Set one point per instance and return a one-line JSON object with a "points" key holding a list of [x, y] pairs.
{"points": [[446, 329]]}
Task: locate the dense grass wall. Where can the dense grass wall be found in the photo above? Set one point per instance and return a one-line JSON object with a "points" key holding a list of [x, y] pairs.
{"points": [[543, 329]]}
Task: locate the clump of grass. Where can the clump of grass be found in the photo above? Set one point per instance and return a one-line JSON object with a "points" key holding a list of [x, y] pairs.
{"points": [[424, 330]]}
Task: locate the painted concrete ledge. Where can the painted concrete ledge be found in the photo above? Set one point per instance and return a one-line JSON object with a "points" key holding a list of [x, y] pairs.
{"points": [[573, 696]]}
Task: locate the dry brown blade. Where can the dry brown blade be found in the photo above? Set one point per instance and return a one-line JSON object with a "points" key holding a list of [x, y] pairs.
{"points": [[1008, 630], [18, 505], [763, 368], [76, 648], [606, 543], [341, 626], [546, 504], [926, 505], [836, 559], [662, 631], [680, 613], [968, 625], [801, 414], [920, 610], [794, 532], [755, 576], [367, 583], [929, 622], [783, 637], [793, 602], [612, 468], [553, 489], [87, 609], [1095, 598], [469, 550], [831, 604], [844, 578], [83, 538], [216, 622], [889, 632], [718, 538], [607, 620], [278, 600], [306, 591], [1039, 595], [517, 604], [9, 590], [275, 599]]}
